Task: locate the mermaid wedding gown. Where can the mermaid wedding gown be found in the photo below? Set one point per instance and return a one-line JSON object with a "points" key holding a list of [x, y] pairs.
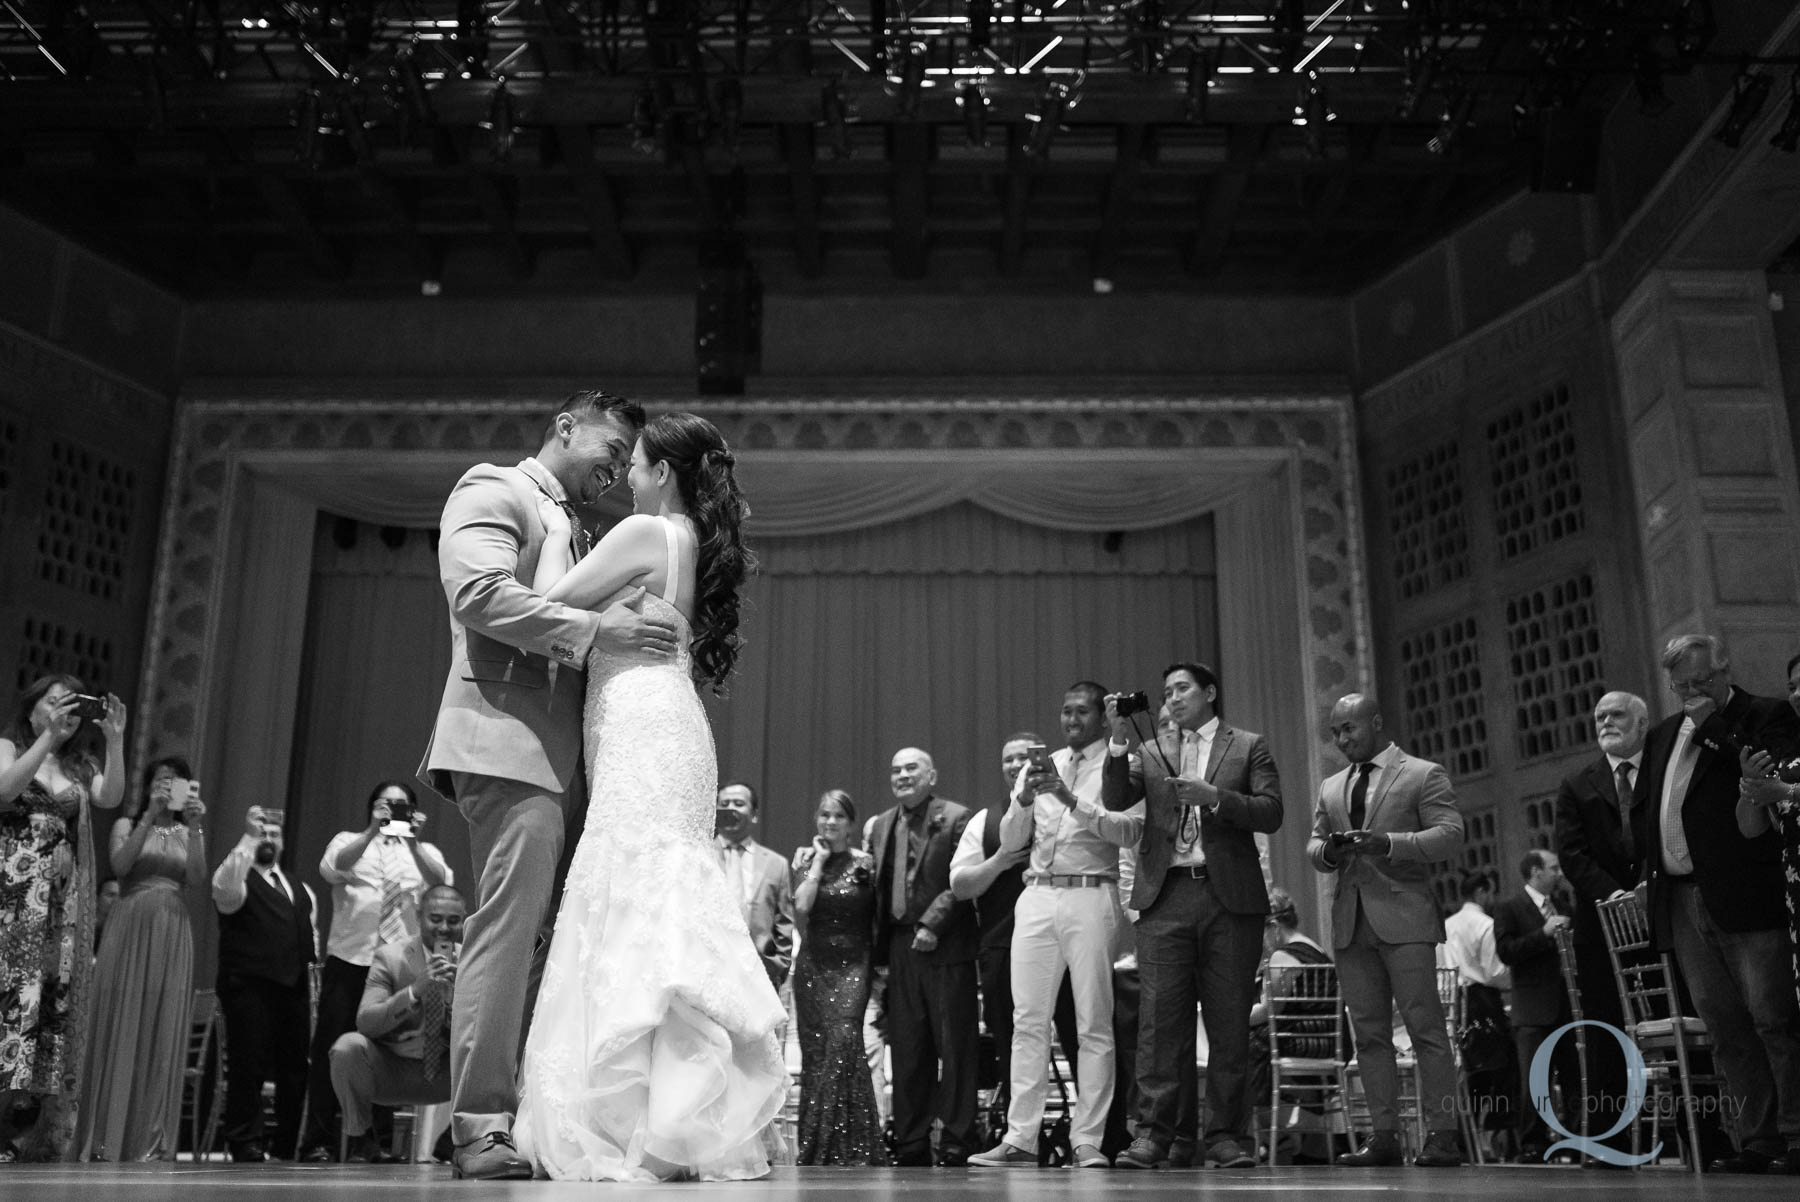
{"points": [[653, 1051]]}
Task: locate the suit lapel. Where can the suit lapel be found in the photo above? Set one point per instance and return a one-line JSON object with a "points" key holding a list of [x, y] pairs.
{"points": [[1220, 745], [1383, 783], [933, 811]]}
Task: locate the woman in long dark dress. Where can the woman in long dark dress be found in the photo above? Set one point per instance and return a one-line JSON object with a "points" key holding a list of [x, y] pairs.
{"points": [[834, 906], [1769, 794], [48, 775], [144, 974]]}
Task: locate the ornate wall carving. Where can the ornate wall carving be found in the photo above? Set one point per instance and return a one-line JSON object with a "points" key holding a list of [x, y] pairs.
{"points": [[215, 437]]}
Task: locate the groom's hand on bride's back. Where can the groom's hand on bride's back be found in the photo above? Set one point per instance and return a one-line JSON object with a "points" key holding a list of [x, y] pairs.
{"points": [[625, 627]]}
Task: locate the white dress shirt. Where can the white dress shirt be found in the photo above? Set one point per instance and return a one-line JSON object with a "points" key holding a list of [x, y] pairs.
{"points": [[1196, 753], [356, 891], [1079, 840], [1470, 949], [1676, 778]]}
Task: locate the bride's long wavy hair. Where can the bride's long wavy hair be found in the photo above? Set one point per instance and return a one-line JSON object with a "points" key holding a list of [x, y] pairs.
{"points": [[705, 476]]}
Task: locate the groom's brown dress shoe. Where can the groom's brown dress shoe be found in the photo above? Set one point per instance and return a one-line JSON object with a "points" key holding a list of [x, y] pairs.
{"points": [[491, 1158]]}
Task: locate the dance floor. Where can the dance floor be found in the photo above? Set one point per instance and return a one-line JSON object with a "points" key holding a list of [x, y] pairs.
{"points": [[287, 1183]]}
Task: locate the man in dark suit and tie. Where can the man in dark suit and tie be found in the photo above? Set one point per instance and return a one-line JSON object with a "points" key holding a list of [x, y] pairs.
{"points": [[929, 941], [760, 878], [1525, 926], [1716, 897], [267, 944], [1379, 826], [1594, 810], [1201, 902], [399, 1054]]}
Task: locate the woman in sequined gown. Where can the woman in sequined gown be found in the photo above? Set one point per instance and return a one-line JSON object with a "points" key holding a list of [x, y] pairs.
{"points": [[48, 775], [653, 1052], [834, 903], [143, 976]]}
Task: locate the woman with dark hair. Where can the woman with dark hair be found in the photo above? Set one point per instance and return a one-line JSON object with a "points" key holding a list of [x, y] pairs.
{"points": [[1769, 794], [654, 1050], [834, 905], [1285, 948], [49, 773], [143, 977]]}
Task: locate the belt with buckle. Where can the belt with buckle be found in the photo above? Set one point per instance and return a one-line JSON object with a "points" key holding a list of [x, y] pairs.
{"points": [[1198, 871], [1052, 880]]}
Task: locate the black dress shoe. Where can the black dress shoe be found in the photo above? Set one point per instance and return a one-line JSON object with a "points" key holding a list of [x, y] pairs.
{"points": [[913, 1158], [317, 1154], [366, 1149], [1749, 1160], [248, 1152], [1382, 1151], [952, 1158], [1442, 1150]]}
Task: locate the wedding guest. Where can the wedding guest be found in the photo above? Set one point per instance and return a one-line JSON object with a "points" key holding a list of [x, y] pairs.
{"points": [[1067, 921], [993, 877], [144, 977], [399, 1054], [377, 875], [268, 940], [834, 906], [760, 877], [49, 773], [1768, 794], [1285, 948], [1489, 1059], [103, 908], [928, 940], [1525, 926]]}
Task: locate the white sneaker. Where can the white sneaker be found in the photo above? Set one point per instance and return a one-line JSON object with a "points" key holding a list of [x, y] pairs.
{"points": [[1087, 1156], [1004, 1156]]}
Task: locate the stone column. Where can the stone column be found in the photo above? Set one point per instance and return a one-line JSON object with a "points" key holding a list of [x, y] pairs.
{"points": [[1712, 465]]}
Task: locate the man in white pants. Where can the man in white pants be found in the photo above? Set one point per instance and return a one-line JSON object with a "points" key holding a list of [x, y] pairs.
{"points": [[1068, 918]]}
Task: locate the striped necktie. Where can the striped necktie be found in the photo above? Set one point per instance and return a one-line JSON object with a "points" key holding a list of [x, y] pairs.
{"points": [[395, 896]]}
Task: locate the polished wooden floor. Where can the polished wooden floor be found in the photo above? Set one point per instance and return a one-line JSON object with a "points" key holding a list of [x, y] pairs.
{"points": [[186, 1182]]}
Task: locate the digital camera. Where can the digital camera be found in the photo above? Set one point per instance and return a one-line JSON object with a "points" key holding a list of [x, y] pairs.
{"points": [[89, 707], [1133, 703]]}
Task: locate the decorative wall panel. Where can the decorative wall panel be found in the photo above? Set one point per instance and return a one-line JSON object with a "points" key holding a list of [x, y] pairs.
{"points": [[1536, 481], [1446, 711], [1553, 649], [1427, 527]]}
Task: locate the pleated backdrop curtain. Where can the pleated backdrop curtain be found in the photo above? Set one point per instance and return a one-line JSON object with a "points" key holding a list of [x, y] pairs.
{"points": [[949, 631]]}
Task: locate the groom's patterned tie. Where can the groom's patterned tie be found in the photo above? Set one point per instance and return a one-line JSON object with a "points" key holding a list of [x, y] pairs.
{"points": [[579, 542], [434, 1029]]}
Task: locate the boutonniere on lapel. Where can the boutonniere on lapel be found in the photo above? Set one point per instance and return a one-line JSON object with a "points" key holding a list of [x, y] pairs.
{"points": [[862, 868], [934, 825]]}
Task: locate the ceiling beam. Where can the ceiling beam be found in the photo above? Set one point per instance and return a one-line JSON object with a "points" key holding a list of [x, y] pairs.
{"points": [[1119, 191], [1224, 193], [800, 149], [909, 154]]}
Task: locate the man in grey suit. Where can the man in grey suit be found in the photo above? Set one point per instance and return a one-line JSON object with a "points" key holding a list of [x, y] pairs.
{"points": [[1201, 902], [1379, 826], [399, 1053], [507, 745], [760, 878]]}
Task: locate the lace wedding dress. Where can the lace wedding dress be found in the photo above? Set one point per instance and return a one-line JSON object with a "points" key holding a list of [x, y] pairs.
{"points": [[653, 1051]]}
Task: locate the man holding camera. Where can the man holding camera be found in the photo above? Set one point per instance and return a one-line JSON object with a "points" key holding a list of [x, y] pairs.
{"points": [[1715, 896], [376, 876], [1201, 901], [399, 1053], [1380, 825], [267, 943], [1066, 919]]}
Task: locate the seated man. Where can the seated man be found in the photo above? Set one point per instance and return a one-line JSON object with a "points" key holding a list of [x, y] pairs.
{"points": [[399, 1053]]}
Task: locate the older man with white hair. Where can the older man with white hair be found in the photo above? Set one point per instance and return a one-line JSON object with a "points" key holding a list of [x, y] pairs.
{"points": [[1716, 897]]}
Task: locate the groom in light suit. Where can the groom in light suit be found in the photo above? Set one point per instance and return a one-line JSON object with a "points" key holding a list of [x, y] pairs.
{"points": [[507, 745]]}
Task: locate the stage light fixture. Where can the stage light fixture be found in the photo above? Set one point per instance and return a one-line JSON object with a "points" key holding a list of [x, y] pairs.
{"points": [[501, 123], [406, 92], [1749, 94], [972, 99], [1421, 74], [1202, 77], [350, 117], [1312, 113], [1647, 80], [309, 128], [1788, 136], [834, 118], [1459, 107], [646, 131], [907, 78], [1057, 99]]}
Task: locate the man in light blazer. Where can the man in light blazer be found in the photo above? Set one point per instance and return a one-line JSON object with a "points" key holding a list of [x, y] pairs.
{"points": [[1378, 826], [929, 941], [506, 748], [394, 1058], [1201, 902], [760, 877]]}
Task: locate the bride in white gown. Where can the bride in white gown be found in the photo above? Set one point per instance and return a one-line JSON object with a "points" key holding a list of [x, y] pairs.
{"points": [[653, 1051]]}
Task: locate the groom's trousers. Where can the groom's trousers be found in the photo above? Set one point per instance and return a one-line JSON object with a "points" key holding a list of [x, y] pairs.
{"points": [[933, 1033], [516, 836]]}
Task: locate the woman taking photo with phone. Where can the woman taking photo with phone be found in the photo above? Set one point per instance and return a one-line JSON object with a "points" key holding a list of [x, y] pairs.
{"points": [[51, 769], [143, 977]]}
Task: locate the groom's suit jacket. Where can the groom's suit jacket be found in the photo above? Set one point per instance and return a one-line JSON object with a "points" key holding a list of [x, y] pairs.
{"points": [[512, 704]]}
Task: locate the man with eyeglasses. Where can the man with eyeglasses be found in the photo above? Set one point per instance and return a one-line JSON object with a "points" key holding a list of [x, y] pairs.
{"points": [[1716, 899]]}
